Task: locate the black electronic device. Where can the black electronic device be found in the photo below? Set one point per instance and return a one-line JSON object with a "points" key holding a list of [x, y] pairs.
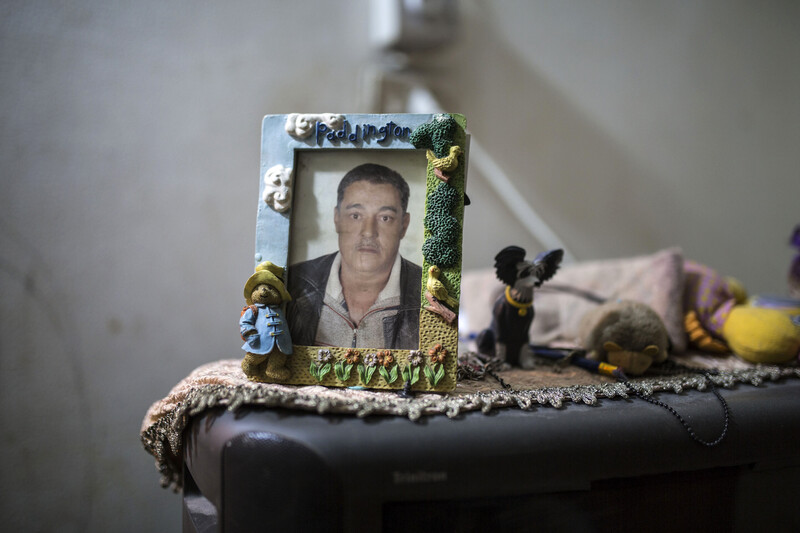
{"points": [[623, 465]]}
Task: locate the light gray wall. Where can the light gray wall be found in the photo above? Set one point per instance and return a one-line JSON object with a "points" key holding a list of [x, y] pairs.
{"points": [[632, 126], [129, 146]]}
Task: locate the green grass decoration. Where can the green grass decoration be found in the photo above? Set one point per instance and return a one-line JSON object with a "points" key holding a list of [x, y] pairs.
{"points": [[410, 374], [434, 374], [365, 373], [342, 370], [319, 372], [390, 376]]}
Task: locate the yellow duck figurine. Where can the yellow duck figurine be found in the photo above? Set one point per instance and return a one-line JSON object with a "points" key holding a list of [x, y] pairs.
{"points": [[446, 163], [437, 288]]}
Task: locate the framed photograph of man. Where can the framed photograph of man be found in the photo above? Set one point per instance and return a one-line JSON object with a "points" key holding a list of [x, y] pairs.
{"points": [[355, 248], [363, 213]]}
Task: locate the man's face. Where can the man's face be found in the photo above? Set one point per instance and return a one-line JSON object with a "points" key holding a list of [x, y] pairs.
{"points": [[370, 222]]}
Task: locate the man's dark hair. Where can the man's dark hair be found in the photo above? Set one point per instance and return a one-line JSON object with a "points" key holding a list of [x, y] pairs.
{"points": [[377, 175]]}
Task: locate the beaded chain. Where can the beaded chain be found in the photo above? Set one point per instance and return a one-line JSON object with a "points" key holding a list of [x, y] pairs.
{"points": [[669, 367], [684, 423]]}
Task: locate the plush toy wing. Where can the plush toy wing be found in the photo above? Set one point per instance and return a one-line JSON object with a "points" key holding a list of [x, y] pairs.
{"points": [[546, 264]]}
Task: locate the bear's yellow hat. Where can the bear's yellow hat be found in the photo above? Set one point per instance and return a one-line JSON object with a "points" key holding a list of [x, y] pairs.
{"points": [[269, 274]]}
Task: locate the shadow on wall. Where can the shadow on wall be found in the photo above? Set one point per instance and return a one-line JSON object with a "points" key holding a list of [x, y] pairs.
{"points": [[51, 366], [592, 193]]}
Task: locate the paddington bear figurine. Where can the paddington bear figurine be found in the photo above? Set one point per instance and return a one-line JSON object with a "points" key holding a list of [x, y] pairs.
{"points": [[512, 315], [263, 326]]}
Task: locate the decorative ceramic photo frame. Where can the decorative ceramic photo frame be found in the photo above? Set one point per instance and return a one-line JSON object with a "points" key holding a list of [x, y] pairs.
{"points": [[370, 198]]}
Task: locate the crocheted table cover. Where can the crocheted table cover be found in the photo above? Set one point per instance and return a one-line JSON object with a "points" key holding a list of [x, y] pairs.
{"points": [[222, 384]]}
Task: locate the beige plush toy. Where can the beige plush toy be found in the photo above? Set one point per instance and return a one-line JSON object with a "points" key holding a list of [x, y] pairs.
{"points": [[627, 334]]}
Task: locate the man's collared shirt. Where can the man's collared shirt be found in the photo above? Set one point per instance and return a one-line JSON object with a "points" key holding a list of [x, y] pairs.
{"points": [[307, 282], [335, 326]]}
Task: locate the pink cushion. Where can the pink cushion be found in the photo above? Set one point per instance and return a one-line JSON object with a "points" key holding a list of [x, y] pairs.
{"points": [[656, 280]]}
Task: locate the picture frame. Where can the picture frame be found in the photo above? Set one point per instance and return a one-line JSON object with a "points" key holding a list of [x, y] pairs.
{"points": [[299, 218]]}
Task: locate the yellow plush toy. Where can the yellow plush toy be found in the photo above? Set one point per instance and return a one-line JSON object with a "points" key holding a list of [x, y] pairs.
{"points": [[761, 335], [719, 320]]}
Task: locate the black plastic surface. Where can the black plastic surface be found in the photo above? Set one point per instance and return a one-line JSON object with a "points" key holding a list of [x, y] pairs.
{"points": [[352, 474]]}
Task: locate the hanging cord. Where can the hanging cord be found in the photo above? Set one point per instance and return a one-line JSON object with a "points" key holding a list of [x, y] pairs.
{"points": [[670, 367], [477, 368]]}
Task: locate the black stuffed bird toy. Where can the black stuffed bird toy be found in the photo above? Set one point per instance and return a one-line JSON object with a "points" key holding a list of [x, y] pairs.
{"points": [[512, 314]]}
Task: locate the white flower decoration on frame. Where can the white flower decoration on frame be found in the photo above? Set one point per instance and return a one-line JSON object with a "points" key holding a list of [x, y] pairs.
{"points": [[301, 126], [278, 188]]}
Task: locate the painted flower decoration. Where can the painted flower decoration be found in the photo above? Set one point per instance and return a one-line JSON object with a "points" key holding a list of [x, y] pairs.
{"points": [[321, 364], [371, 359], [438, 354], [414, 358], [324, 356], [385, 358], [352, 356]]}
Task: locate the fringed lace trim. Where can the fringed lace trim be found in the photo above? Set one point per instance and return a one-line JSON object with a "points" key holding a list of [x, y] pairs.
{"points": [[163, 439]]}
